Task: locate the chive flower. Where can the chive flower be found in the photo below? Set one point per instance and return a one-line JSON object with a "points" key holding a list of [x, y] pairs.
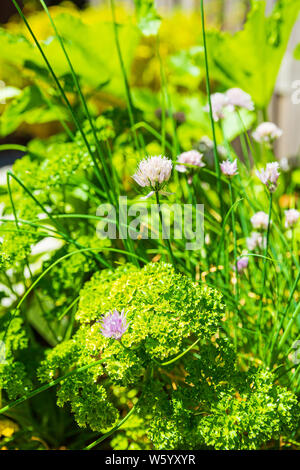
{"points": [[238, 98], [269, 175], [242, 263], [219, 102], [260, 220], [114, 325], [232, 99], [267, 132], [256, 240], [192, 158], [291, 217], [229, 168], [153, 172]]}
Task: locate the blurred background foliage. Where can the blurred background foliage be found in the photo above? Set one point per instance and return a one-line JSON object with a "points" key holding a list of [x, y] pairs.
{"points": [[33, 106], [164, 69]]}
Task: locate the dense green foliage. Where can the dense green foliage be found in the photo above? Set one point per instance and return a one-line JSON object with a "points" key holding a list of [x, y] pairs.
{"points": [[207, 361], [216, 406]]}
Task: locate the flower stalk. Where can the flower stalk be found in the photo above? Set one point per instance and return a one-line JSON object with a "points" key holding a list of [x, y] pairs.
{"points": [[265, 262], [163, 230], [216, 159]]}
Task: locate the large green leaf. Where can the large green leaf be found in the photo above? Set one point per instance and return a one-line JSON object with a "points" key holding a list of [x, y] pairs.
{"points": [[250, 59], [15, 48], [30, 107], [91, 49], [148, 19]]}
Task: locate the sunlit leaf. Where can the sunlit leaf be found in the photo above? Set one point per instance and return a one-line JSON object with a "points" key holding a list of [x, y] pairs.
{"points": [[148, 19], [94, 59], [30, 107], [251, 58]]}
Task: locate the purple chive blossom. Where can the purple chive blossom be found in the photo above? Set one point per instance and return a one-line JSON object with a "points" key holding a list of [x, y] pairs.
{"points": [[256, 240], [238, 98], [192, 158], [229, 168], [260, 220], [267, 132], [114, 325], [153, 172], [269, 175], [219, 102], [232, 99], [242, 263], [291, 217]]}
